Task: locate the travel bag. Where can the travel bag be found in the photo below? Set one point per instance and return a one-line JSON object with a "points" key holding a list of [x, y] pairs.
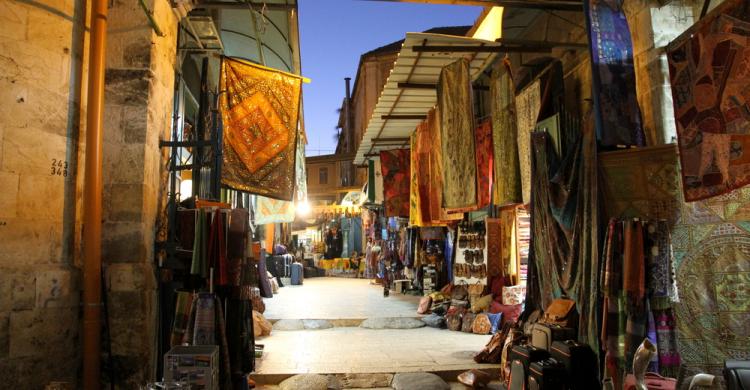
{"points": [[310, 272], [297, 274], [434, 321], [543, 335], [527, 354], [517, 377], [467, 322], [737, 374], [548, 374], [561, 311], [580, 362]]}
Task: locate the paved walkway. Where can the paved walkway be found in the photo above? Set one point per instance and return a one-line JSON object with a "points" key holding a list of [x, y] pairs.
{"points": [[358, 350], [343, 350], [338, 298]]}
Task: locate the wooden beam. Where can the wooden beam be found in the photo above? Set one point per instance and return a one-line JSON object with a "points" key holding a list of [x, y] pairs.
{"points": [[433, 86], [243, 5], [403, 117], [553, 5], [477, 49], [387, 140], [541, 44]]}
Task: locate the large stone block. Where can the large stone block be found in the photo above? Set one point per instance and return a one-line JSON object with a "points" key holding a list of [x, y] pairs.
{"points": [[123, 163], [26, 63], [43, 197], [124, 202], [13, 19], [48, 333], [129, 277], [133, 126], [127, 86], [23, 290], [25, 243], [54, 288], [125, 242], [28, 151], [50, 31], [9, 194]]}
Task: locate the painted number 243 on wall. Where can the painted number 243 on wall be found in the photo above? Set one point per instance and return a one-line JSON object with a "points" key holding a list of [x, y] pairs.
{"points": [[59, 168]]}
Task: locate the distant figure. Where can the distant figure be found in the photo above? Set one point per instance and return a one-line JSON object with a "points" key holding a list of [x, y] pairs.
{"points": [[354, 261], [334, 243]]}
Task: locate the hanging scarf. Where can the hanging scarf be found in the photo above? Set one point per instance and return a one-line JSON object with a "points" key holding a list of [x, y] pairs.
{"points": [[217, 249], [199, 265], [634, 266]]}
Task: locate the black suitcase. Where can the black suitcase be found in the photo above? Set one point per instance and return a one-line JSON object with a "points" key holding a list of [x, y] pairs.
{"points": [[321, 272], [543, 335], [548, 374], [527, 354], [580, 362], [310, 272]]}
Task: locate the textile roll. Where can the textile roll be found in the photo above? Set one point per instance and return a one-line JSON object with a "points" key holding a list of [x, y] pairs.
{"points": [[238, 232], [709, 77], [199, 265], [415, 210], [507, 174], [260, 111], [634, 265], [181, 317], [494, 247], [268, 211], [395, 165], [457, 137], [616, 112], [528, 103], [217, 249], [483, 143]]}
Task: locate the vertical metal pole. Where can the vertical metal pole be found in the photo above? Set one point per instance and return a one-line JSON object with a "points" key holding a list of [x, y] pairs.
{"points": [[92, 215]]}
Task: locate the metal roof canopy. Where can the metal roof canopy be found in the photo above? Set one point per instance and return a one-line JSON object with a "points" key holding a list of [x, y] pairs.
{"points": [[397, 104]]}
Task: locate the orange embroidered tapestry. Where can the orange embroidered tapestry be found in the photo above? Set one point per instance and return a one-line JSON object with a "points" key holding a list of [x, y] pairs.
{"points": [[260, 111]]}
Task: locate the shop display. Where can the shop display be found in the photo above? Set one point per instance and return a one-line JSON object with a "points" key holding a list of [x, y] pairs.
{"points": [[197, 366], [459, 171], [506, 169], [396, 173], [471, 257], [616, 112], [260, 112]]}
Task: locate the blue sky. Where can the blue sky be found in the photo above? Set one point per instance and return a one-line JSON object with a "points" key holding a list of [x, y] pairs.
{"points": [[334, 33]]}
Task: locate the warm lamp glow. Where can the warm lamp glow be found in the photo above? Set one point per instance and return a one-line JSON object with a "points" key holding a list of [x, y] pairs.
{"points": [[303, 208], [186, 189]]}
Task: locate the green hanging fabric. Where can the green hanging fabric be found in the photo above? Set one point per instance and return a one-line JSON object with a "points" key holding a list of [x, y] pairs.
{"points": [[199, 265]]}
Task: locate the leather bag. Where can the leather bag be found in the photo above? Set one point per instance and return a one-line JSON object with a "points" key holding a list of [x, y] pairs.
{"points": [[543, 335], [476, 289], [481, 304], [460, 292], [474, 378], [481, 325], [493, 348], [425, 303], [736, 374], [454, 320], [561, 311], [467, 322]]}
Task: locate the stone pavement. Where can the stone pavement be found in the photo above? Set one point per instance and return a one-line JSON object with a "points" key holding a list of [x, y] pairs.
{"points": [[352, 349], [338, 298]]}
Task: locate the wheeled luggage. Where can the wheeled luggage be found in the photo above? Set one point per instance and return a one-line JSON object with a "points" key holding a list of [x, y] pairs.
{"points": [[543, 335], [548, 374], [580, 362], [297, 274]]}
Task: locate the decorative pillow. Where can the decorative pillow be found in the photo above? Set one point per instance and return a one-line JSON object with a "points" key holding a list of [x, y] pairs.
{"points": [[514, 295]]}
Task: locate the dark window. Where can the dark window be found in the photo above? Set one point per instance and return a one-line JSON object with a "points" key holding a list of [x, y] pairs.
{"points": [[323, 175]]}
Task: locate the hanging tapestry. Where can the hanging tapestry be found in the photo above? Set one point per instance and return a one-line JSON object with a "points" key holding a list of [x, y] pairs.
{"points": [[709, 77], [422, 169], [508, 247], [507, 175], [494, 247], [483, 143], [565, 230], [439, 213], [374, 182], [395, 167], [457, 137], [269, 210], [300, 176], [616, 113], [528, 103], [415, 211], [260, 110]]}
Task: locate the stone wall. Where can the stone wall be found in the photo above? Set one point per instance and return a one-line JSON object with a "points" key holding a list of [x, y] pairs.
{"points": [[42, 90], [41, 53], [138, 106]]}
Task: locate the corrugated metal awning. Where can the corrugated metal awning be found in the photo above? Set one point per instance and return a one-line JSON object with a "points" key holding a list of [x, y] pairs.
{"points": [[409, 92]]}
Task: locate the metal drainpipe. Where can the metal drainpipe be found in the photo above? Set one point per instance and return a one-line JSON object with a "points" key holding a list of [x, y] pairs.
{"points": [[92, 214]]}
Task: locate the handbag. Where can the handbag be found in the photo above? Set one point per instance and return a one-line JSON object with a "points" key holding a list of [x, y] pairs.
{"points": [[481, 304], [467, 322], [514, 295], [736, 374], [460, 292], [481, 325], [561, 311], [424, 305], [476, 289], [454, 320], [476, 379], [493, 348]]}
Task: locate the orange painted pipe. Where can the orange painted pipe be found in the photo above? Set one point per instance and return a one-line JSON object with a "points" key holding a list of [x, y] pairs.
{"points": [[92, 193]]}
